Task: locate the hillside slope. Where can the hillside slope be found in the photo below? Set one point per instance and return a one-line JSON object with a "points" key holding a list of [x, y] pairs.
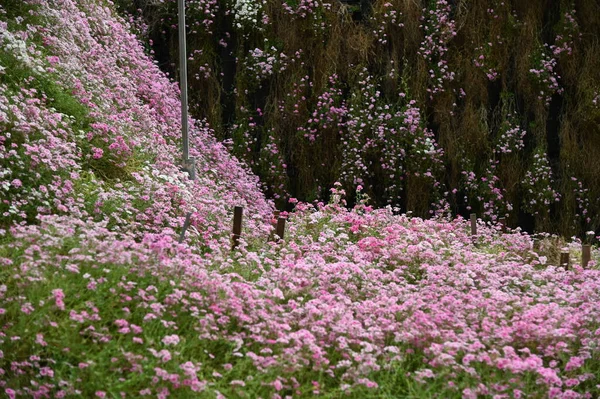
{"points": [[90, 129], [97, 299]]}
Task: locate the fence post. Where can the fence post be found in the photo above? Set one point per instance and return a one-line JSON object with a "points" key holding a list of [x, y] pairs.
{"points": [[586, 255], [237, 226], [280, 231], [473, 224], [186, 224], [502, 222], [564, 260]]}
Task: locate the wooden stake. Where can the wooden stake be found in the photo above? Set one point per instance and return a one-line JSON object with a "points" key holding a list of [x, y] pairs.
{"points": [[586, 255], [473, 224], [536, 244], [502, 223], [564, 260], [186, 224], [280, 231], [238, 211]]}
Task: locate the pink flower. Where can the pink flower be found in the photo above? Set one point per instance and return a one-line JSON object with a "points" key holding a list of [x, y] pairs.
{"points": [[97, 153], [171, 340], [59, 295], [574, 363], [39, 339]]}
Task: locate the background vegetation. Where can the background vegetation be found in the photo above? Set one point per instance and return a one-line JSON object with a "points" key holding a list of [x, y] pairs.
{"points": [[433, 106]]}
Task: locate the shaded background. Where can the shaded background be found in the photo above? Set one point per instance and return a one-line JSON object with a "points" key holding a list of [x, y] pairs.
{"points": [[499, 112]]}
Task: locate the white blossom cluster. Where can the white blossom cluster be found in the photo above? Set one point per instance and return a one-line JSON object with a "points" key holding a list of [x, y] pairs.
{"points": [[17, 45], [247, 13]]}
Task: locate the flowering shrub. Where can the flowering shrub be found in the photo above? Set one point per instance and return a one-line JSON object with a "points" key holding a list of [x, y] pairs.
{"points": [[386, 140], [273, 167], [329, 113], [439, 29], [568, 33], [309, 10], [386, 18], [262, 64], [485, 62], [201, 13], [538, 183], [510, 139], [545, 75], [485, 191], [247, 13]]}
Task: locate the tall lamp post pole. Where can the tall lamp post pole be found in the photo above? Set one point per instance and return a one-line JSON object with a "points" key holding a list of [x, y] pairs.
{"points": [[189, 164]]}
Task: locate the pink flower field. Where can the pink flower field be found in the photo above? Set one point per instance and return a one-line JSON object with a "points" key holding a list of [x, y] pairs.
{"points": [[99, 300]]}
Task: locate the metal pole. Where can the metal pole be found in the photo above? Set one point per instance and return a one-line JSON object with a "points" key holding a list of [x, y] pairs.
{"points": [[186, 224], [189, 164]]}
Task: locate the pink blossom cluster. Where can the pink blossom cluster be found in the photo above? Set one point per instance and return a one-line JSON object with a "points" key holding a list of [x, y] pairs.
{"points": [[384, 19], [329, 112], [545, 73], [486, 191], [309, 10], [393, 134], [510, 137], [439, 30], [273, 167], [486, 54], [567, 35], [539, 185], [582, 199], [485, 62], [262, 64]]}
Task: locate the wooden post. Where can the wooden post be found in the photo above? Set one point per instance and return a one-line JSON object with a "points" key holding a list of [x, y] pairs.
{"points": [[564, 260], [473, 224], [280, 231], [536, 244], [273, 222], [238, 211], [502, 223], [186, 224], [586, 255]]}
